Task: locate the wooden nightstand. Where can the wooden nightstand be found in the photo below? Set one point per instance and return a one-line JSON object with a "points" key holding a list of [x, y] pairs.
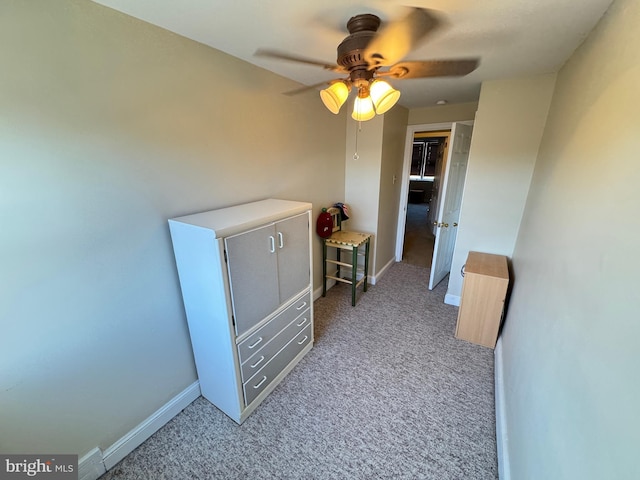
{"points": [[484, 290]]}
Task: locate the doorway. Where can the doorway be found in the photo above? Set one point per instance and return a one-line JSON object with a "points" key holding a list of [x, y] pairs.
{"points": [[410, 211], [428, 154], [445, 203]]}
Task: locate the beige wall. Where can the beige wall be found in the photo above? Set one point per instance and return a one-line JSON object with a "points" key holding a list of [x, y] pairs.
{"points": [[506, 136], [108, 127], [570, 341], [362, 177], [456, 112], [370, 190], [393, 143]]}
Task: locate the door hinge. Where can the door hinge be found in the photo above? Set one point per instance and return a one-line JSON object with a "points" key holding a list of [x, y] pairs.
{"points": [[233, 321], [225, 256]]}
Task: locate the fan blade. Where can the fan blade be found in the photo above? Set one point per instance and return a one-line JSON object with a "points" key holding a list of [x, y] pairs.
{"points": [[292, 58], [432, 68], [397, 38], [306, 88]]}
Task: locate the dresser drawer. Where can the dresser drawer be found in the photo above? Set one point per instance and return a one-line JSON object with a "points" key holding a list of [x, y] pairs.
{"points": [[252, 344], [270, 371], [264, 355]]}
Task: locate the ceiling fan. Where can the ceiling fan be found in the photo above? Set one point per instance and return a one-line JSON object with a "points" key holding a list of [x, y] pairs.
{"points": [[367, 56]]}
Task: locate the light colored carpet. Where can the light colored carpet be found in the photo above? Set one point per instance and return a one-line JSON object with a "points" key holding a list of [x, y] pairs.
{"points": [[387, 392], [418, 239]]}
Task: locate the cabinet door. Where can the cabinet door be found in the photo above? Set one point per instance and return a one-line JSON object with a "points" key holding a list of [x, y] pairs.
{"points": [[253, 271], [293, 255]]}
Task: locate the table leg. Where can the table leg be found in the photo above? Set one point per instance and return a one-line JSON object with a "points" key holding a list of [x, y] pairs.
{"points": [[366, 263], [324, 269], [354, 275]]}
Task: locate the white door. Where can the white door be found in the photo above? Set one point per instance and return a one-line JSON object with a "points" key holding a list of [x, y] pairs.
{"points": [[449, 205]]}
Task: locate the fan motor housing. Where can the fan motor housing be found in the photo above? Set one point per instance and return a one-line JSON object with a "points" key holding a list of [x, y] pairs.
{"points": [[362, 28]]}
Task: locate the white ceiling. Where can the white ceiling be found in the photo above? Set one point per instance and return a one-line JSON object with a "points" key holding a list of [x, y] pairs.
{"points": [[511, 37]]}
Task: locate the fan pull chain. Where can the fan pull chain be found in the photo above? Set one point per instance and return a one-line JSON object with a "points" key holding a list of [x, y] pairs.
{"points": [[355, 155]]}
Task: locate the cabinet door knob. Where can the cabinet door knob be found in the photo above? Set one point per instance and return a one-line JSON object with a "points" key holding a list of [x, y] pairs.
{"points": [[256, 343]]}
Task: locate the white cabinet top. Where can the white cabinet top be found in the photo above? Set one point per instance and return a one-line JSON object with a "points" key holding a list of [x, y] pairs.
{"points": [[231, 220]]}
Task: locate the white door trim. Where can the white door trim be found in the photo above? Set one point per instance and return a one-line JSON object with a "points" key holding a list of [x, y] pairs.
{"points": [[406, 173]]}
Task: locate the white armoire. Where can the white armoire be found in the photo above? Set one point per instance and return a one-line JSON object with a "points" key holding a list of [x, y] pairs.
{"points": [[245, 274]]}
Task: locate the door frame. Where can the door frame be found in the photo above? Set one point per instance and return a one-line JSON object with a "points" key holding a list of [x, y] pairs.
{"points": [[406, 173]]}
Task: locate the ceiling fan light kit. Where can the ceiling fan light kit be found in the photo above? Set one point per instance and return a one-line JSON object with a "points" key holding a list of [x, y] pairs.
{"points": [[366, 54], [376, 98]]}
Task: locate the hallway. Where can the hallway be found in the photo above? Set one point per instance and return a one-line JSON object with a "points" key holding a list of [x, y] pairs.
{"points": [[418, 239]]}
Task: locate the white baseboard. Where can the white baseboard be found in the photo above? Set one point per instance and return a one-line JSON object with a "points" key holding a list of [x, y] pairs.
{"points": [[317, 293], [95, 463], [151, 425], [502, 439], [382, 271], [450, 299], [91, 466]]}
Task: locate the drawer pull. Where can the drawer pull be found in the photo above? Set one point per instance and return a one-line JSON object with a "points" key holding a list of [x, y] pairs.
{"points": [[258, 362], [264, 379], [257, 342], [306, 337], [304, 304], [304, 320]]}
